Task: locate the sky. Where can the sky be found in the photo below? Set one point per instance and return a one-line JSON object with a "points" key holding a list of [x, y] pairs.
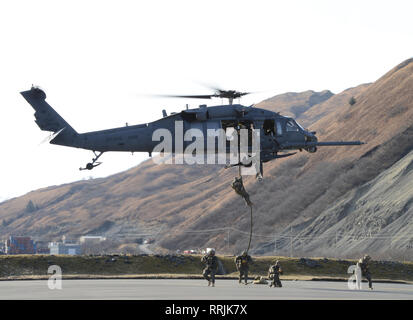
{"points": [[98, 62]]}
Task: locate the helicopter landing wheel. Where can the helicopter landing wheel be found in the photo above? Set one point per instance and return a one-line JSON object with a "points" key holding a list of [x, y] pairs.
{"points": [[94, 162]]}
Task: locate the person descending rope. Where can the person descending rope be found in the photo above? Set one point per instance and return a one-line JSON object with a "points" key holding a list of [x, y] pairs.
{"points": [[238, 186]]}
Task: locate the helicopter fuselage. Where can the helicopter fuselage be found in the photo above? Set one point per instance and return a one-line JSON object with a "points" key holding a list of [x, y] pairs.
{"points": [[276, 132], [138, 138]]}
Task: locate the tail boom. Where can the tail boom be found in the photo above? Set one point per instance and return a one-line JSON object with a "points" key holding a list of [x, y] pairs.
{"points": [[48, 119]]}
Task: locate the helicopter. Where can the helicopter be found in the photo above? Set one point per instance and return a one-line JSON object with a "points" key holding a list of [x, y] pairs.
{"points": [[278, 135]]}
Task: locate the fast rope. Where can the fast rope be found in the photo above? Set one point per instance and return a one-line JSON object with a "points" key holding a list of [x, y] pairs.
{"points": [[249, 243], [238, 187], [240, 190]]}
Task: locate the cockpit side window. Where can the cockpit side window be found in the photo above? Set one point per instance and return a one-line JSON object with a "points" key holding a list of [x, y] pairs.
{"points": [[291, 126], [279, 128]]}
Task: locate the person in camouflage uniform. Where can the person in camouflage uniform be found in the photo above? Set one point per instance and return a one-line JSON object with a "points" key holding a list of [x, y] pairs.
{"points": [[238, 186], [274, 274], [241, 263], [211, 268], [365, 272]]}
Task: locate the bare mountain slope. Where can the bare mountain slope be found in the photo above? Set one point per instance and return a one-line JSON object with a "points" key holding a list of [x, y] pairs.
{"points": [[382, 110], [322, 109], [294, 104], [309, 106], [376, 217]]}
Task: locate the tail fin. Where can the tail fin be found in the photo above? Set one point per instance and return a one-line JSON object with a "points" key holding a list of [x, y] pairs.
{"points": [[48, 119]]}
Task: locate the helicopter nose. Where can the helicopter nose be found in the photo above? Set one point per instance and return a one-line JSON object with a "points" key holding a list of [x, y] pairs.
{"points": [[310, 136]]}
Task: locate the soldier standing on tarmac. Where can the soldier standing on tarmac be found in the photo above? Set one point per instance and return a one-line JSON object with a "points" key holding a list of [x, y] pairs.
{"points": [[211, 267], [274, 275], [365, 272], [242, 262]]}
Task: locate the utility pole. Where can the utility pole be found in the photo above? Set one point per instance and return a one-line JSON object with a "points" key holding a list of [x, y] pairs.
{"points": [[228, 239], [291, 241]]}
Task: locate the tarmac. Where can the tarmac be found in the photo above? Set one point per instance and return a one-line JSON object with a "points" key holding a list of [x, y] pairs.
{"points": [[186, 289]]}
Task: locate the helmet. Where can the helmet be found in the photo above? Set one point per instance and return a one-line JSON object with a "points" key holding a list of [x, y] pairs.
{"points": [[277, 262], [367, 257], [211, 252], [244, 253]]}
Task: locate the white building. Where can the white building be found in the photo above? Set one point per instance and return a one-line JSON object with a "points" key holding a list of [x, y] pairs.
{"points": [[91, 239], [64, 248]]}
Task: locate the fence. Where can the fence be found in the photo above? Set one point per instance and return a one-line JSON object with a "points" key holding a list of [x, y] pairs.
{"points": [[334, 245]]}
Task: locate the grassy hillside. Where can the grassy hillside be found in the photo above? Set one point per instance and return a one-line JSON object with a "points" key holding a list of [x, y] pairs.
{"points": [[36, 266]]}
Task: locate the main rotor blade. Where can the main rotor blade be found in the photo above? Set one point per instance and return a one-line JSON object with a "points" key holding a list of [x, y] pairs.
{"points": [[209, 96], [219, 91], [213, 87]]}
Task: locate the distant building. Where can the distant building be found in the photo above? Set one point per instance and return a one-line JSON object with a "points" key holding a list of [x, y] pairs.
{"points": [[42, 247], [64, 248], [91, 239], [20, 245]]}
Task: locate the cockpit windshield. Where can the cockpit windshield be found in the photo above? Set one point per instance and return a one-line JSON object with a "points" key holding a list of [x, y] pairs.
{"points": [[291, 126], [299, 125]]}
